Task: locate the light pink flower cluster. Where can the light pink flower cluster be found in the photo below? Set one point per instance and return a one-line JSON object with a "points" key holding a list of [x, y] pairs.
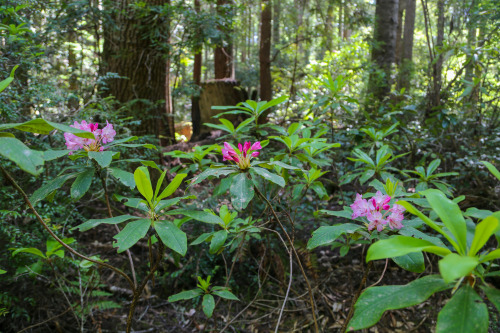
{"points": [[102, 136], [372, 210], [247, 151]]}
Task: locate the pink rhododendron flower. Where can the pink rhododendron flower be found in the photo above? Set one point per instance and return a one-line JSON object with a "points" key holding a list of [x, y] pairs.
{"points": [[102, 136], [247, 151], [373, 209]]}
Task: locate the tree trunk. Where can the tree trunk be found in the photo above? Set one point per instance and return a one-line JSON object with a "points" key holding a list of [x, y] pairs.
{"points": [[265, 52], [406, 67], [141, 65], [223, 53], [437, 67], [399, 32], [384, 47], [73, 100], [329, 26], [276, 22], [195, 99]]}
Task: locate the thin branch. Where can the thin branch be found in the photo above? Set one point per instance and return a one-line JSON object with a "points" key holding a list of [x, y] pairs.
{"points": [[44, 322], [287, 293]]}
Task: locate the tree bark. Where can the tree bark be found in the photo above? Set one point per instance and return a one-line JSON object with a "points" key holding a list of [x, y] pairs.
{"points": [[195, 99], [406, 67], [384, 47], [437, 67], [223, 53], [265, 52]]}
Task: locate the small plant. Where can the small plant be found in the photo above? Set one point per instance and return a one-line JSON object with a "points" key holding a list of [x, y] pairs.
{"points": [[424, 177]]}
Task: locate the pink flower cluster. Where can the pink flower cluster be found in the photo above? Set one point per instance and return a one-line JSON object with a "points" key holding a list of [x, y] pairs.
{"points": [[372, 210], [102, 136], [247, 151]]}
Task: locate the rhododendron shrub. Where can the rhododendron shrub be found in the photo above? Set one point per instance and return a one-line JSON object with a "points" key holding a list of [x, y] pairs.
{"points": [[246, 152], [102, 136]]}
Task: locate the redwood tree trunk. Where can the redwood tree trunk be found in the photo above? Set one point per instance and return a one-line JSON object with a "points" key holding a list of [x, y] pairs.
{"points": [[195, 100], [384, 47], [223, 58], [265, 52], [406, 68]]}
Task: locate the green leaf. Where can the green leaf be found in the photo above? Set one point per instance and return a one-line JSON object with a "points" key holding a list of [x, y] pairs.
{"points": [[131, 234], [103, 158], [494, 171], [217, 172], [125, 177], [174, 184], [450, 214], [2, 271], [50, 155], [184, 295], [201, 216], [327, 235], [16, 151], [95, 222], [484, 230], [374, 301], [278, 180], [159, 183], [43, 126], [31, 250], [173, 237], [5, 83], [50, 187], [464, 313], [143, 183], [224, 293], [82, 183], [218, 240], [493, 295], [400, 245], [208, 305], [413, 262], [241, 191], [455, 266], [203, 237]]}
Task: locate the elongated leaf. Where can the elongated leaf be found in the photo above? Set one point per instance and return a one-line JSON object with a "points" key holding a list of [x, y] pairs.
{"points": [[173, 237], [159, 183], [217, 172], [413, 262], [203, 237], [374, 301], [208, 305], [274, 102], [201, 216], [464, 313], [266, 174], [327, 235], [492, 169], [455, 266], [125, 177], [5, 83], [184, 295], [131, 234], [174, 185], [50, 155], [43, 126], [103, 158], [82, 183], [241, 191], [433, 166], [218, 240], [493, 295], [450, 214], [143, 183], [484, 230], [16, 151], [31, 250], [51, 186], [224, 293], [400, 245], [95, 222]]}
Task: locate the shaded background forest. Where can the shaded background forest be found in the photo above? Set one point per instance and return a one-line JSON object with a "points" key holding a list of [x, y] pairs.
{"points": [[420, 76]]}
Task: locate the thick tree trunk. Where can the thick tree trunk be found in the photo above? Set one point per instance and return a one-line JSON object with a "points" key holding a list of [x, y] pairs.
{"points": [[437, 67], [73, 100], [223, 53], [276, 22], [406, 67], [142, 66], [265, 52], [384, 47], [399, 32], [195, 100]]}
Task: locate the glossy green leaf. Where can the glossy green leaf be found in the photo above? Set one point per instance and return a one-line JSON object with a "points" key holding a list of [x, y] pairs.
{"points": [[203, 237], [491, 256], [51, 186], [241, 191], [31, 250], [131, 234], [173, 237], [492, 169], [216, 172], [224, 293], [272, 177], [16, 151], [201, 216], [493, 295], [43, 126], [95, 222], [174, 184], [326, 235], [125, 177], [159, 183], [455, 266], [82, 183], [464, 313], [450, 214], [400, 245], [5, 83], [143, 183], [374, 301], [484, 230], [50, 155], [218, 240], [208, 305], [413, 262], [103, 158], [184, 295]]}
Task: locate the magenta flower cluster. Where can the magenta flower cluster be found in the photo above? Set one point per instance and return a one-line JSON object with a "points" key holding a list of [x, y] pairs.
{"points": [[102, 136], [247, 151], [373, 209]]}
